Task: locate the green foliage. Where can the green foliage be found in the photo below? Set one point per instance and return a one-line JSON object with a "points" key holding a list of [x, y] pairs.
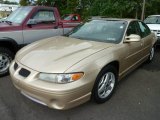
{"points": [[152, 7], [24, 2], [109, 8], [114, 8], [1, 1], [123, 8]]}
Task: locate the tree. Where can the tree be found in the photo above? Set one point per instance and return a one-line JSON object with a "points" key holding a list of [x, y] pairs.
{"points": [[109, 8], [1, 1], [65, 6], [46, 2], [24, 2], [152, 7]]}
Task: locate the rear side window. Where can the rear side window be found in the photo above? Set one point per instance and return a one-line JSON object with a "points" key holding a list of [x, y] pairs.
{"points": [[145, 31], [133, 28], [75, 18], [45, 16]]}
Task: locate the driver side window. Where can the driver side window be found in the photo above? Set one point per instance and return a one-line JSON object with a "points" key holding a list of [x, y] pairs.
{"points": [[44, 16]]}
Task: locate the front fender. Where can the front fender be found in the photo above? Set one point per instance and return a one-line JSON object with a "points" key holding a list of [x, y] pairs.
{"points": [[9, 43]]}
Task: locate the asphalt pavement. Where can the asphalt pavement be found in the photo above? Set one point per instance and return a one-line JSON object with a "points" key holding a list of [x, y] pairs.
{"points": [[137, 97]]}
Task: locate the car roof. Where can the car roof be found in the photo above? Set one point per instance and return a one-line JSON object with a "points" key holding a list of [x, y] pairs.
{"points": [[153, 15], [38, 7], [114, 19]]}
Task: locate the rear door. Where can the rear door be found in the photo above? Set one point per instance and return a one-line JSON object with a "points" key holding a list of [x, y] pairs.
{"points": [[46, 26], [146, 38]]}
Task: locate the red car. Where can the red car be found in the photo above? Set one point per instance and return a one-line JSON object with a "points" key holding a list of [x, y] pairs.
{"points": [[29, 24], [71, 18]]}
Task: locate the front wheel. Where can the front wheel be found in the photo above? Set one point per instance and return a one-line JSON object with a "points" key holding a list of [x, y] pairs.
{"points": [[6, 57], [105, 84]]}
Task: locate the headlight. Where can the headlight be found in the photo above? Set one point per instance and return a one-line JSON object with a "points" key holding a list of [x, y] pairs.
{"points": [[60, 78]]}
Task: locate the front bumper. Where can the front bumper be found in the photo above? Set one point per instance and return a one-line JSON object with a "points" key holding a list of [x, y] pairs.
{"points": [[57, 96]]}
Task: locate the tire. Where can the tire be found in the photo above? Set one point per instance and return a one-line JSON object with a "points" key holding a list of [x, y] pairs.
{"points": [[6, 57], [151, 55], [102, 85]]}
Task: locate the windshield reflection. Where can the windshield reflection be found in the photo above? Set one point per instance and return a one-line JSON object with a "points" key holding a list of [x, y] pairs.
{"points": [[100, 30], [19, 15]]}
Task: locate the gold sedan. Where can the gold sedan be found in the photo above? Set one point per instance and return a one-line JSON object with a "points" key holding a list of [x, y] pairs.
{"points": [[65, 71]]}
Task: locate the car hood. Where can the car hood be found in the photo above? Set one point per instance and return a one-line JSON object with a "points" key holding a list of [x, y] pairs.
{"points": [[154, 26], [6, 27], [58, 54]]}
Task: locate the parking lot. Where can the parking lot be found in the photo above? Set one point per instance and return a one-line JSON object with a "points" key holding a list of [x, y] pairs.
{"points": [[137, 98]]}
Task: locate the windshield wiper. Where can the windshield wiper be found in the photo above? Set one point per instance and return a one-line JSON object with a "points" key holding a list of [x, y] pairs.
{"points": [[78, 37], [8, 22]]}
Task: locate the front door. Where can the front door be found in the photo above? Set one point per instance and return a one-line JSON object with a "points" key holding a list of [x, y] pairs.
{"points": [[45, 27], [133, 49], [146, 38]]}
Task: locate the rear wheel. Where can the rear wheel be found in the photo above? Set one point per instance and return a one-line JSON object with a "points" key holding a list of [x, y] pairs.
{"points": [[6, 57], [151, 55], [105, 84]]}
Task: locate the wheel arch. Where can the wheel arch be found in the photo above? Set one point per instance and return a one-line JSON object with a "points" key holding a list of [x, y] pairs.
{"points": [[9, 43], [114, 63], [94, 95]]}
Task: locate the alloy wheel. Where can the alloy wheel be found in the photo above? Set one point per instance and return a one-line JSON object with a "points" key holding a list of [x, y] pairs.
{"points": [[151, 53], [106, 85], [4, 63]]}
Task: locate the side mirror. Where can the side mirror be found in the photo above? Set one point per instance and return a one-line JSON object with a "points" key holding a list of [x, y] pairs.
{"points": [[132, 38], [32, 22]]}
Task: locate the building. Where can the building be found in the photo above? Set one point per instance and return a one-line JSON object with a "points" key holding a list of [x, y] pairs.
{"points": [[6, 9]]}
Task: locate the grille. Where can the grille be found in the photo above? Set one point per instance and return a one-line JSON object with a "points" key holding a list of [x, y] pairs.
{"points": [[23, 72], [157, 31], [15, 66]]}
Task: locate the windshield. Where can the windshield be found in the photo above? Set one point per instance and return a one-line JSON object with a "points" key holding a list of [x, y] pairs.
{"points": [[100, 30], [19, 15], [66, 17], [152, 20]]}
